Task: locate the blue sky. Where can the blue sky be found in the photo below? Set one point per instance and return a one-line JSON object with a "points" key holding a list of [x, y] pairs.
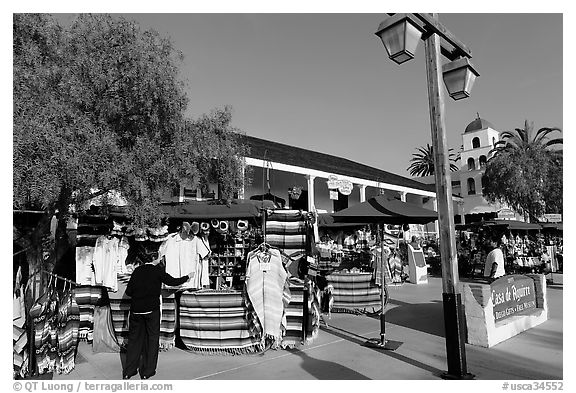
{"points": [[324, 82]]}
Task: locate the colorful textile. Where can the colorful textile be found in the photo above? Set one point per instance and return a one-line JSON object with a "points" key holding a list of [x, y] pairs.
{"points": [[378, 265], [287, 231], [294, 314], [216, 322], [168, 319], [354, 292], [313, 309], [87, 297], [395, 266], [43, 313], [19, 336], [120, 308], [68, 324], [265, 279]]}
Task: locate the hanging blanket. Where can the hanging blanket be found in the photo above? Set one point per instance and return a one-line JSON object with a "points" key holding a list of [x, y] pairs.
{"points": [[168, 319], [286, 230], [353, 292], [294, 314], [216, 322], [265, 281], [87, 297], [68, 323], [120, 308]]}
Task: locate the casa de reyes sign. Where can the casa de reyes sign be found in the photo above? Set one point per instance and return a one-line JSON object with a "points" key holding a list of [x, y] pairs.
{"points": [[512, 295]]}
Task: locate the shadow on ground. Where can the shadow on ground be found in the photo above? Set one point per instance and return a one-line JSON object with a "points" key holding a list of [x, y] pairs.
{"points": [[323, 369], [355, 338]]}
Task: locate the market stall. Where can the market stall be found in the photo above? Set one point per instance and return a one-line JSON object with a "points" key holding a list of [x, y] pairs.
{"points": [[381, 210]]}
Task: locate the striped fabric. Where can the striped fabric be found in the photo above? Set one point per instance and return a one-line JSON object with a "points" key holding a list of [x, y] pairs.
{"points": [[265, 281], [286, 230], [294, 312], [19, 336], [87, 297], [354, 292], [120, 307], [68, 324], [168, 319], [44, 313], [215, 322]]}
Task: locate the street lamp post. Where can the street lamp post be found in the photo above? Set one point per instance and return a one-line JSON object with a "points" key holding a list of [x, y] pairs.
{"points": [[459, 76]]}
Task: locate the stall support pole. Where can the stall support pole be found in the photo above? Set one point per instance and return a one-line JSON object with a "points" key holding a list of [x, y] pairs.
{"points": [[381, 344]]}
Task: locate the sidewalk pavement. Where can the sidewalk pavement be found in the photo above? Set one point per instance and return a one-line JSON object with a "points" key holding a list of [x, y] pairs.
{"points": [[414, 321]]}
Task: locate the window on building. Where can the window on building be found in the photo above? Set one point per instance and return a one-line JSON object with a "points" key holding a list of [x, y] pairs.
{"points": [[471, 186], [475, 143], [471, 164], [482, 161]]}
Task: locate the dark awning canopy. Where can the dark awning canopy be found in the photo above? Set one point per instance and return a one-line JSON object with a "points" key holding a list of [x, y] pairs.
{"points": [[381, 209], [517, 225], [325, 220], [205, 210]]}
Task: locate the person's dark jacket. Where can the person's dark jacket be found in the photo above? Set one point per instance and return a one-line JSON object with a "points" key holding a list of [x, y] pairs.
{"points": [[145, 285]]}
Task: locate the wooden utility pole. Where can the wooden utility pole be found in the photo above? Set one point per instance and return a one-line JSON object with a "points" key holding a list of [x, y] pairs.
{"points": [[453, 315]]}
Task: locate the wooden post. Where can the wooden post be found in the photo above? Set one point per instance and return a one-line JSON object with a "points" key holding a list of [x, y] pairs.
{"points": [[453, 316]]}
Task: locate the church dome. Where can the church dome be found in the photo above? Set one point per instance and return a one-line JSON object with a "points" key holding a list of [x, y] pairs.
{"points": [[478, 124]]}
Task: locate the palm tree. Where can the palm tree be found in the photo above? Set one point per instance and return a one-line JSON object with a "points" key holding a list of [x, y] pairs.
{"points": [[422, 164], [525, 171], [525, 139]]}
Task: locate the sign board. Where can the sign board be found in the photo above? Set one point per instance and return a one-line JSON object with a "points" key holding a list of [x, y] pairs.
{"points": [[334, 195], [512, 295], [553, 217], [344, 186], [506, 214]]}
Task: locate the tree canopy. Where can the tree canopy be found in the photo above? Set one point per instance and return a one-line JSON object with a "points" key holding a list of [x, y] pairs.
{"points": [[99, 106], [422, 163], [525, 172]]}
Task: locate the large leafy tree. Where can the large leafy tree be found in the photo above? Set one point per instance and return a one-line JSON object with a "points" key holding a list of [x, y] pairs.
{"points": [[525, 171], [422, 163], [99, 106]]}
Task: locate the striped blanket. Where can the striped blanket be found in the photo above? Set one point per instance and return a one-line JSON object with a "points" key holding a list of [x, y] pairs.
{"points": [[353, 292], [168, 319], [294, 313], [215, 322], [120, 306], [87, 297], [286, 230]]}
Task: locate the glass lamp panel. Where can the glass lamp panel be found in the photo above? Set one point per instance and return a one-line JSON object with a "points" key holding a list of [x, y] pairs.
{"points": [[412, 38], [455, 81], [393, 39]]}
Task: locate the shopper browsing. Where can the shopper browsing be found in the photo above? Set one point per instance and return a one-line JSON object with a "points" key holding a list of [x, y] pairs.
{"points": [[494, 267], [144, 321]]}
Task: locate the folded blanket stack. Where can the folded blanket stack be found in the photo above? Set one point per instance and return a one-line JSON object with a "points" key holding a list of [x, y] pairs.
{"points": [[354, 292]]}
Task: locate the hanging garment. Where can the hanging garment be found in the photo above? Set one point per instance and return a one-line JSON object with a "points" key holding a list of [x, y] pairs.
{"points": [[105, 259], [265, 279], [68, 324], [185, 255], [123, 247], [87, 297], [313, 308], [44, 313], [287, 231], [19, 335], [120, 309], [395, 265], [378, 264], [84, 268]]}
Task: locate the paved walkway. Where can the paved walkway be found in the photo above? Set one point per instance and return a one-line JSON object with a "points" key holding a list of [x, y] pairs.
{"points": [[414, 322]]}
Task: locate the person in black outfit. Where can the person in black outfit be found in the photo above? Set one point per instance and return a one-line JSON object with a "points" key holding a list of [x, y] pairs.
{"points": [[144, 321]]}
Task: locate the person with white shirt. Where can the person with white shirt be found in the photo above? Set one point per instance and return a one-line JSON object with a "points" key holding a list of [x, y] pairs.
{"points": [[494, 266]]}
